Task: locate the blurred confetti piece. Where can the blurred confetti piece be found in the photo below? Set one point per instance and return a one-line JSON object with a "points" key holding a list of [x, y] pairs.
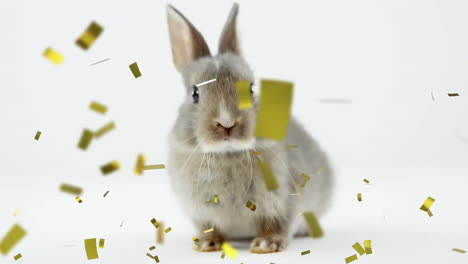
{"points": [[99, 61], [38, 135], [195, 239], [135, 70], [256, 153], [155, 223], [214, 200], [18, 256], [206, 82], [105, 194], [306, 179], [154, 167], [459, 250], [314, 225], [230, 251], [359, 197], [167, 230], [98, 107], [305, 252], [429, 213], [274, 109], [160, 236], [140, 163], [359, 248], [365, 180], [368, 247], [89, 36], [351, 258], [101, 242], [53, 56], [453, 94], [90, 247], [427, 204], [149, 255], [291, 146], [251, 206], [13, 237], [85, 139], [268, 175], [244, 96], [78, 199], [208, 230], [16, 212], [152, 248], [156, 258], [110, 167], [67, 188], [104, 130], [223, 255]]}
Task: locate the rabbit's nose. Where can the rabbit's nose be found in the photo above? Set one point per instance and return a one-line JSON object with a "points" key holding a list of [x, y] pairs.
{"points": [[227, 127]]}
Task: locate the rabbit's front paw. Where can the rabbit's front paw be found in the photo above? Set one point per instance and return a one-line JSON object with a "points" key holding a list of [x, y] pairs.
{"points": [[208, 245], [268, 244]]}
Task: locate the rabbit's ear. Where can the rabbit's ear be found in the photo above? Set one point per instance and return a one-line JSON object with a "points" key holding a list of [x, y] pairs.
{"points": [[229, 40], [186, 42]]}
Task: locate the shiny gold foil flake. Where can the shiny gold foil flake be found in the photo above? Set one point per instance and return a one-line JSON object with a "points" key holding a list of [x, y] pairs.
{"points": [[18, 256], [251, 206], [427, 204], [110, 167], [268, 175], [214, 200], [208, 230], [152, 248], [359, 248], [140, 163], [167, 230], [149, 255], [85, 139], [459, 250], [306, 179], [314, 225], [195, 239], [155, 223], [244, 96], [105, 194], [429, 213], [351, 258], [135, 70], [156, 258], [101, 242], [78, 199], [223, 255], [67, 188], [154, 167], [89, 36], [13, 237], [366, 181], [54, 56], [291, 146], [38, 135], [305, 252], [359, 197], [98, 107], [453, 94], [104, 130], [230, 251], [368, 247], [160, 236], [91, 249], [274, 109]]}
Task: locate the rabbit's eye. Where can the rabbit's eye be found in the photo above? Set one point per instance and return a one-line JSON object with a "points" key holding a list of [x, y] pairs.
{"points": [[251, 87], [195, 94]]}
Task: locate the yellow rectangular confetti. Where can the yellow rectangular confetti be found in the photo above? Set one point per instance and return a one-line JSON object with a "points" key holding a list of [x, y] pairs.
{"points": [[152, 248], [251, 206], [351, 258], [366, 180], [154, 167], [230, 251], [67, 188], [18, 256], [244, 96], [306, 179], [156, 258], [459, 250], [215, 198], [91, 249], [104, 130], [140, 163], [167, 230], [155, 223], [78, 199], [16, 212], [195, 239], [38, 135], [274, 109], [149, 255], [256, 153], [359, 197], [98, 107], [105, 194], [223, 255], [208, 230], [85, 139], [359, 248], [305, 252], [53, 55], [110, 167], [160, 237], [429, 213], [89, 36], [291, 146], [268, 175], [427, 204], [453, 94], [101, 242], [14, 236], [314, 225], [368, 247], [135, 70]]}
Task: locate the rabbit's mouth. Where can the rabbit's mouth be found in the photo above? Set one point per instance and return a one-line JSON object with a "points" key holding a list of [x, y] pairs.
{"points": [[228, 145]]}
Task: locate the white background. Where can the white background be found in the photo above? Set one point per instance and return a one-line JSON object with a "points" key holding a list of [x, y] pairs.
{"points": [[385, 57]]}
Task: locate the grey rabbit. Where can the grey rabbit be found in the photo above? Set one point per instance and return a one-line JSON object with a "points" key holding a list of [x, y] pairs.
{"points": [[211, 151]]}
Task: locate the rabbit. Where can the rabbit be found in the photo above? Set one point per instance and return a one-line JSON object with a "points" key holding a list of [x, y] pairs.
{"points": [[211, 151]]}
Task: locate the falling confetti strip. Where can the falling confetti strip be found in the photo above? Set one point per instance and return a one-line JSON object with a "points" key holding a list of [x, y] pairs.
{"points": [[104, 130], [427, 204], [359, 197], [313, 224], [305, 252], [230, 251], [368, 247], [244, 96], [459, 250], [306, 179], [359, 248], [16, 212], [13, 237], [208, 230], [140, 163], [67, 188], [351, 258], [149, 255], [89, 36], [214, 200], [429, 213], [152, 248], [90, 247], [101, 242], [268, 175], [160, 236], [85, 140], [223, 255], [256, 153], [53, 56], [154, 167], [365, 180], [167, 230], [18, 256], [453, 94], [105, 194], [156, 258], [155, 223], [251, 206], [98, 107], [110, 167], [135, 70], [38, 135], [78, 199]]}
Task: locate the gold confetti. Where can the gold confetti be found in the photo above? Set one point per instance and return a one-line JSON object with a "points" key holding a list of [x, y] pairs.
{"points": [[427, 204], [98, 107], [18, 256], [38, 135], [365, 180], [78, 199], [139, 164], [89, 36], [429, 213], [155, 223], [368, 247], [208, 230], [16, 212], [351, 258], [110, 167], [256, 153], [67, 188], [195, 239], [359, 248], [274, 109], [13, 237], [223, 255], [453, 94], [306, 179], [251, 206], [104, 130], [156, 258], [314, 225], [149, 255], [105, 194], [85, 139], [167, 230], [160, 237], [101, 242], [459, 250], [230, 251], [154, 167], [305, 252], [244, 96], [291, 146], [215, 199], [135, 70], [53, 55], [90, 247], [268, 175], [152, 248], [359, 197]]}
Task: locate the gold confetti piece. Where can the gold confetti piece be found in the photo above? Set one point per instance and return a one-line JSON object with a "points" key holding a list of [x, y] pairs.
{"points": [[160, 237], [110, 167], [140, 163], [16, 212], [105, 194], [98, 107], [135, 70], [274, 109], [215, 199], [359, 248], [291, 146], [208, 230], [368, 247], [195, 239], [256, 153], [85, 139], [206, 82], [268, 175], [351, 258], [365, 180], [104, 130], [305, 252], [156, 258], [459, 250], [223, 255], [13, 237], [89, 36], [149, 255], [230, 251], [306, 179], [155, 223], [314, 225], [251, 206], [359, 197], [78, 199], [18, 256], [167, 230], [67, 188], [429, 213], [152, 248], [101, 242], [154, 167], [90, 247], [53, 55], [244, 96], [453, 94], [38, 135], [427, 204]]}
